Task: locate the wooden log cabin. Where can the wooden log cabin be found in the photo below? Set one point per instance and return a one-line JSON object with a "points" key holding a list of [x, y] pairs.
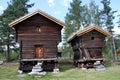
{"points": [[38, 35], [87, 45]]}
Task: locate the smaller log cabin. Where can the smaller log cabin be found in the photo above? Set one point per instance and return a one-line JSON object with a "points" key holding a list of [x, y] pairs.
{"points": [[38, 35], [87, 45]]}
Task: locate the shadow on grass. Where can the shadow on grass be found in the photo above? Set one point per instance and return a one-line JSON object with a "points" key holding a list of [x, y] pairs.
{"points": [[66, 64]]}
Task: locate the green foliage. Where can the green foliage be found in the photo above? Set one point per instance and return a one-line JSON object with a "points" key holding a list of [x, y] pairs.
{"points": [[92, 14], [117, 41], [73, 18], [18, 8], [107, 22], [107, 54], [2, 56], [80, 15], [107, 16], [118, 22], [67, 51], [15, 9], [14, 55], [117, 44]]}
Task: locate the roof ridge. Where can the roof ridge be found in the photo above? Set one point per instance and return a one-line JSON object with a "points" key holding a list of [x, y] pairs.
{"points": [[16, 21]]}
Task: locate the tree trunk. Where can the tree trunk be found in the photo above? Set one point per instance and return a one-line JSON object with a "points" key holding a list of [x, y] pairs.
{"points": [[113, 48], [8, 46], [8, 54]]}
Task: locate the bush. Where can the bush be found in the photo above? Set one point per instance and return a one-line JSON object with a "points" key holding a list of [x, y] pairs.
{"points": [[14, 55], [2, 56]]}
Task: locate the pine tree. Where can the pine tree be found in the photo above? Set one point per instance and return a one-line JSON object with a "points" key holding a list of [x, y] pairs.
{"points": [[15, 9], [107, 17], [118, 20], [91, 14], [80, 15], [94, 13], [73, 18]]}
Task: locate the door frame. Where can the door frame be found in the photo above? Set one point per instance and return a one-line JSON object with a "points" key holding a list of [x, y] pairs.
{"points": [[35, 50]]}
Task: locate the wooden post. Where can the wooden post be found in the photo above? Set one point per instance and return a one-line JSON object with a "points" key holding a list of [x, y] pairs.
{"points": [[56, 65], [20, 51], [56, 69], [20, 55], [79, 65]]}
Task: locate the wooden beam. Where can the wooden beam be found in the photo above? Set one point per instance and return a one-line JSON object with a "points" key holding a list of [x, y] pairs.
{"points": [[42, 59]]}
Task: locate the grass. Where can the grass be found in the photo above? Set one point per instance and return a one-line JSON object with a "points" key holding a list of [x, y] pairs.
{"points": [[8, 71]]}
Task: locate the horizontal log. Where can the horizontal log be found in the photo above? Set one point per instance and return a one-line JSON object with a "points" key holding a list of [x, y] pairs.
{"points": [[42, 59]]}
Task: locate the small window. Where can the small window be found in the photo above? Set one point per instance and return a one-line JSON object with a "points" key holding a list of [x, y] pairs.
{"points": [[38, 29], [92, 38]]}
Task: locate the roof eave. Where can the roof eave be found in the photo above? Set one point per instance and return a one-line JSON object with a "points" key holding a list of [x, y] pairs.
{"points": [[71, 38]]}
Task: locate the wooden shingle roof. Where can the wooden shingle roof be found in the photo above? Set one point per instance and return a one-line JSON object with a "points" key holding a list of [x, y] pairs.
{"points": [[34, 13], [87, 30]]}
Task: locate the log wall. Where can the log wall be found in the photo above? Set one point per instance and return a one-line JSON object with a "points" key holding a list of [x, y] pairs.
{"points": [[88, 46], [48, 37]]}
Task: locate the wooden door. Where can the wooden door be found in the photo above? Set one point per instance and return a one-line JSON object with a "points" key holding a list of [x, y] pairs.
{"points": [[39, 52]]}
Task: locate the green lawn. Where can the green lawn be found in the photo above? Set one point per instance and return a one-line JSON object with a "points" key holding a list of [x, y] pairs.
{"points": [[8, 71]]}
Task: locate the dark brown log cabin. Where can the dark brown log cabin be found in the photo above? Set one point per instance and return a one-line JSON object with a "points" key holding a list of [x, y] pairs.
{"points": [[87, 45], [38, 35]]}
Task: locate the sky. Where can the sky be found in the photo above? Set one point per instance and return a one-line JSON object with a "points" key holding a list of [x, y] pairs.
{"points": [[59, 8]]}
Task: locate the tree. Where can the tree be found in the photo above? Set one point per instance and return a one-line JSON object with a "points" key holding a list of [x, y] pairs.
{"points": [[118, 20], [107, 20], [93, 14], [73, 18], [15, 9], [80, 15], [107, 16], [117, 41]]}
